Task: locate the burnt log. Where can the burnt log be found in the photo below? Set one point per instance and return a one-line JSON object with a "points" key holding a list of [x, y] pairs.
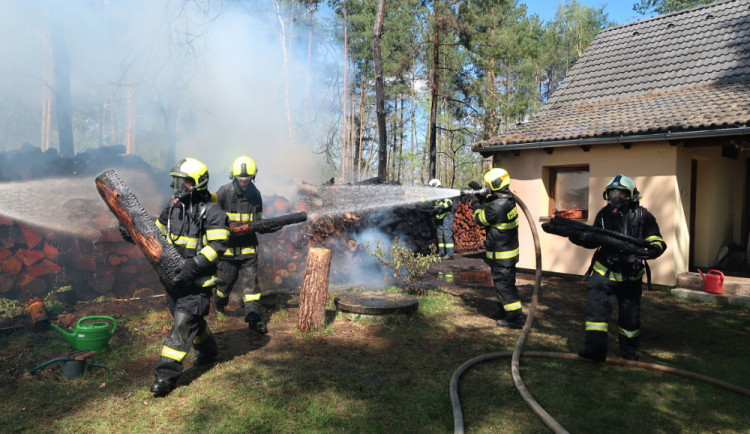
{"points": [[598, 237], [313, 294], [265, 225], [162, 256]]}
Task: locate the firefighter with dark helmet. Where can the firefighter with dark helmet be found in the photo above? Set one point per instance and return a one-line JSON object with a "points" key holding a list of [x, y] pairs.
{"points": [[199, 231], [498, 214], [616, 275], [243, 203]]}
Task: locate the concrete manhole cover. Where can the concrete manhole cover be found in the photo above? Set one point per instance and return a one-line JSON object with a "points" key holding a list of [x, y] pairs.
{"points": [[376, 303]]}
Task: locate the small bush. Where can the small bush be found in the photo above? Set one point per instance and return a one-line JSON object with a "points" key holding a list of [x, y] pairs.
{"points": [[409, 266]]}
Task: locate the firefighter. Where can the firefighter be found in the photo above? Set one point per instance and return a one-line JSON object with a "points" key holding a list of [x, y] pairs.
{"points": [[498, 214], [199, 231], [443, 211], [615, 275], [243, 203]]}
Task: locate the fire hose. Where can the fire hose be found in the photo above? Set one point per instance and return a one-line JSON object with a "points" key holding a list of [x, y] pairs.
{"points": [[515, 355]]}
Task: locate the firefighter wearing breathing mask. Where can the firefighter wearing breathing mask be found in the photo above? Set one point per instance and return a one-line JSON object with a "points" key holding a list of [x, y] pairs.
{"points": [[443, 211], [243, 203], [199, 231], [616, 275], [498, 214]]}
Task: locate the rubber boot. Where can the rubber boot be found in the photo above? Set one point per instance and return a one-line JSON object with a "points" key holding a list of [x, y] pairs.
{"points": [[162, 387], [596, 346], [513, 320]]}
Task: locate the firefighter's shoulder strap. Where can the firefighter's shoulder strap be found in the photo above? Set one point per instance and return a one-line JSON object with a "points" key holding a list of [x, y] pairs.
{"points": [[640, 214]]}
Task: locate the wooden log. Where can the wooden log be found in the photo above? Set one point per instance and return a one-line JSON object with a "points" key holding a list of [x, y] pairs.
{"points": [[162, 256], [313, 294]]}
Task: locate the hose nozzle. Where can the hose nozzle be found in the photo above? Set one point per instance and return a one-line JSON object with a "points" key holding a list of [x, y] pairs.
{"points": [[472, 192]]}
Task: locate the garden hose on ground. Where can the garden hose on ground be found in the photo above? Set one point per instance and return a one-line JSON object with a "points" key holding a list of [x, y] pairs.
{"points": [[458, 422]]}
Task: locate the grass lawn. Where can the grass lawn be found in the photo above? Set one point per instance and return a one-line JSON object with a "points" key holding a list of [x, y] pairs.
{"points": [[390, 375]]}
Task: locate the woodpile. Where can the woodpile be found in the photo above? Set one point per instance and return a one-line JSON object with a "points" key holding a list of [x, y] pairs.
{"points": [[34, 262], [467, 235]]}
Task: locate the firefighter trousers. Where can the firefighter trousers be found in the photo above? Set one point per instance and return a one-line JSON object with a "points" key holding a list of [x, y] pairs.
{"points": [[246, 271], [445, 240], [189, 328], [601, 296], [504, 280]]}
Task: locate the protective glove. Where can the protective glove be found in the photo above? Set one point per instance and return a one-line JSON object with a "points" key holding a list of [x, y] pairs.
{"points": [[475, 204], [125, 234], [474, 185], [652, 252], [186, 272], [582, 239]]}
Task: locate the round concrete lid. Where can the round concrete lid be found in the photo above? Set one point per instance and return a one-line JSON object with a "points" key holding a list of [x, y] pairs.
{"points": [[376, 303]]}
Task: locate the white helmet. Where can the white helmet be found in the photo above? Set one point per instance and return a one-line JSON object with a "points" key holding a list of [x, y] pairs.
{"points": [[434, 183]]}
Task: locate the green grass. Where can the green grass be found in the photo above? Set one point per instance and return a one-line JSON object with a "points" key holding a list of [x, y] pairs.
{"points": [[392, 375]]}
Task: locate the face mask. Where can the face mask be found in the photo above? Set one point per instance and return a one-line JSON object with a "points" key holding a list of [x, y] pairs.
{"points": [[618, 199], [181, 187]]}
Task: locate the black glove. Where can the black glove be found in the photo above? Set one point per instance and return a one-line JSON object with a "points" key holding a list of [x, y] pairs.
{"points": [[582, 239], [125, 234], [186, 272], [474, 185], [652, 252], [475, 204]]}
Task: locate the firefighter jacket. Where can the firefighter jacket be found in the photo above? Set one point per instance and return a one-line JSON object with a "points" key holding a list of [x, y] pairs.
{"points": [[443, 211], [498, 214], [197, 229], [637, 222], [241, 207]]}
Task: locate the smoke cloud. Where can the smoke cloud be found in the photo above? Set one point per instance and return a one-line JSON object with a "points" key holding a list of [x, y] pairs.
{"points": [[218, 69]]}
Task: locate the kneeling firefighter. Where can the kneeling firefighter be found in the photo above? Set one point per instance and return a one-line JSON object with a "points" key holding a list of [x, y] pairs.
{"points": [[199, 231], [498, 214], [616, 275]]}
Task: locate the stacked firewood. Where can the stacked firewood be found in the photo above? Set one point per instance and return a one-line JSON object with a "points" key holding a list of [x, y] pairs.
{"points": [[467, 235], [35, 262]]}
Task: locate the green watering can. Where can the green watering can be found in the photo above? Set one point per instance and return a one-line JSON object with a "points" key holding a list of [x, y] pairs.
{"points": [[90, 333]]}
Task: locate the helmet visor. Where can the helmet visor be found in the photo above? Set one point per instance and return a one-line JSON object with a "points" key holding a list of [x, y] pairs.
{"points": [[181, 186], [617, 198]]}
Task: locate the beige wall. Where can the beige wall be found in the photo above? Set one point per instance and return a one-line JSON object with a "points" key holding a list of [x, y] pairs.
{"points": [[663, 175], [652, 166]]}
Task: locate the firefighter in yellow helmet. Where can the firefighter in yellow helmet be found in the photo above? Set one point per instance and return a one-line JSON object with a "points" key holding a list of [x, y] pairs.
{"points": [[199, 231], [243, 203], [615, 275], [498, 214]]}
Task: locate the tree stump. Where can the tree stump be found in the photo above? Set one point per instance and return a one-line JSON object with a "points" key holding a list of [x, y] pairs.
{"points": [[313, 294]]}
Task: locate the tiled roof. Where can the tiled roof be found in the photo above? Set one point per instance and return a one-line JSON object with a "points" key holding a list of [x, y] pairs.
{"points": [[689, 70]]}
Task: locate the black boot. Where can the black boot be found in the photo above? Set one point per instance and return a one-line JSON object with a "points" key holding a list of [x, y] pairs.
{"points": [[513, 320], [596, 356], [162, 387], [258, 327]]}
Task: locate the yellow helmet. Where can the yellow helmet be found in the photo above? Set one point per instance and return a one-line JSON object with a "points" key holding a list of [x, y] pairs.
{"points": [[192, 169], [243, 167], [497, 178]]}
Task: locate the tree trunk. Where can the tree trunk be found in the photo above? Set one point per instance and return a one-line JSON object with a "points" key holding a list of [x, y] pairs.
{"points": [[379, 92], [62, 85], [313, 294], [434, 100]]}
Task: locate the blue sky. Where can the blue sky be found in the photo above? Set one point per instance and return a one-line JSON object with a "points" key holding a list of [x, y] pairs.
{"points": [[619, 11]]}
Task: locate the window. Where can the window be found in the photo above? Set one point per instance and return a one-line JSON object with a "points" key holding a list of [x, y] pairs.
{"points": [[569, 192]]}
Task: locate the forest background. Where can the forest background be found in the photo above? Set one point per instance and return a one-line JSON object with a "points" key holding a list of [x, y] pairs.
{"points": [[313, 90]]}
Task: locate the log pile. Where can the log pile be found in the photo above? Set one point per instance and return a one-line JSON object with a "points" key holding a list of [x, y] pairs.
{"points": [[467, 235]]}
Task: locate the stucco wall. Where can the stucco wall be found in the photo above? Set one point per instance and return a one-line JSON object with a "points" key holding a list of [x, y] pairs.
{"points": [[652, 166]]}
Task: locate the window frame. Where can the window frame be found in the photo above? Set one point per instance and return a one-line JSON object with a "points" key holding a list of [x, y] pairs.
{"points": [[553, 172]]}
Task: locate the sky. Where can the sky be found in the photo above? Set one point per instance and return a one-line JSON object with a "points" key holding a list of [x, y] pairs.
{"points": [[619, 11]]}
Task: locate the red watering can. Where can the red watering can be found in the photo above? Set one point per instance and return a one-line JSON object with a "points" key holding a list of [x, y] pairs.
{"points": [[714, 280]]}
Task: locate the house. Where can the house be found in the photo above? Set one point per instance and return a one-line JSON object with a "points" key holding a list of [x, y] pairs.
{"points": [[665, 101]]}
